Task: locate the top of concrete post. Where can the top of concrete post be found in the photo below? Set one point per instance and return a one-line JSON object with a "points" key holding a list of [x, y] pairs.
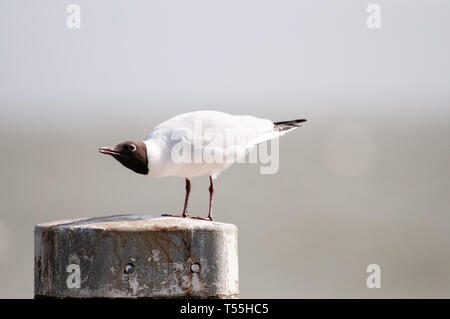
{"points": [[136, 223]]}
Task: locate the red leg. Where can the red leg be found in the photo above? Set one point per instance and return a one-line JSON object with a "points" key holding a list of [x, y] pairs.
{"points": [[211, 192], [186, 200]]}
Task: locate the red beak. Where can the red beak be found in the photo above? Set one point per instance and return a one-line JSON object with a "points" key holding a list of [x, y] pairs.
{"points": [[109, 151]]}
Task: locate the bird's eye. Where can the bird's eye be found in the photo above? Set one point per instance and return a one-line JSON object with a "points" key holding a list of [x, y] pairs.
{"points": [[132, 147]]}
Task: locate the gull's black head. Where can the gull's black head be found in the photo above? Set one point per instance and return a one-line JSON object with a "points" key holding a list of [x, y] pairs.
{"points": [[132, 155]]}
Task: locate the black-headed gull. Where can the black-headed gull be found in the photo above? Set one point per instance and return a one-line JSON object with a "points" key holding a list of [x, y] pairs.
{"points": [[209, 142]]}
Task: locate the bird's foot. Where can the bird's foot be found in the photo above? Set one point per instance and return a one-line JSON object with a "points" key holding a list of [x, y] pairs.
{"points": [[181, 216], [202, 218]]}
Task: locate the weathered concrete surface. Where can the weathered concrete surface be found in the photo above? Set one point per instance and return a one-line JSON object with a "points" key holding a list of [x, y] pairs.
{"points": [[136, 256]]}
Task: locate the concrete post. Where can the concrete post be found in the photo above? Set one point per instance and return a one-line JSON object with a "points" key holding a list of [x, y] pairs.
{"points": [[136, 256]]}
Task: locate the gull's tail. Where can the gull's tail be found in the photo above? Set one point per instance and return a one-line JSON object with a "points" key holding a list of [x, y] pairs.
{"points": [[279, 129], [286, 126]]}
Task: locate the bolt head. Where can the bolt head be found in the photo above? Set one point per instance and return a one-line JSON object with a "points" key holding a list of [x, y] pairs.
{"points": [[129, 269], [196, 268]]}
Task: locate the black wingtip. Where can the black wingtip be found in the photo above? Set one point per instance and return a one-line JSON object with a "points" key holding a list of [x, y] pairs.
{"points": [[292, 122]]}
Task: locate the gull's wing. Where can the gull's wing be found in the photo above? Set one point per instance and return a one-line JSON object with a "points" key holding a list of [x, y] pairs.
{"points": [[217, 129]]}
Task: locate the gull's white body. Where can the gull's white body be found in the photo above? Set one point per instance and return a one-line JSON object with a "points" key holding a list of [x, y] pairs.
{"points": [[184, 128]]}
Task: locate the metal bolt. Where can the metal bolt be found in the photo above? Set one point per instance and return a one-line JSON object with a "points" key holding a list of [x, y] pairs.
{"points": [[195, 268], [129, 269]]}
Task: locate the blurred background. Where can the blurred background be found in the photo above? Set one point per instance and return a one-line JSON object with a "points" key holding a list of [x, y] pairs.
{"points": [[366, 180]]}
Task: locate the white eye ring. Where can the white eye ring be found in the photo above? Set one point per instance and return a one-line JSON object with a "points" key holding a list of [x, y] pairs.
{"points": [[132, 147]]}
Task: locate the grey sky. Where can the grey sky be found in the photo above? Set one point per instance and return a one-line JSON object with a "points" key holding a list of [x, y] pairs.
{"points": [[272, 56]]}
